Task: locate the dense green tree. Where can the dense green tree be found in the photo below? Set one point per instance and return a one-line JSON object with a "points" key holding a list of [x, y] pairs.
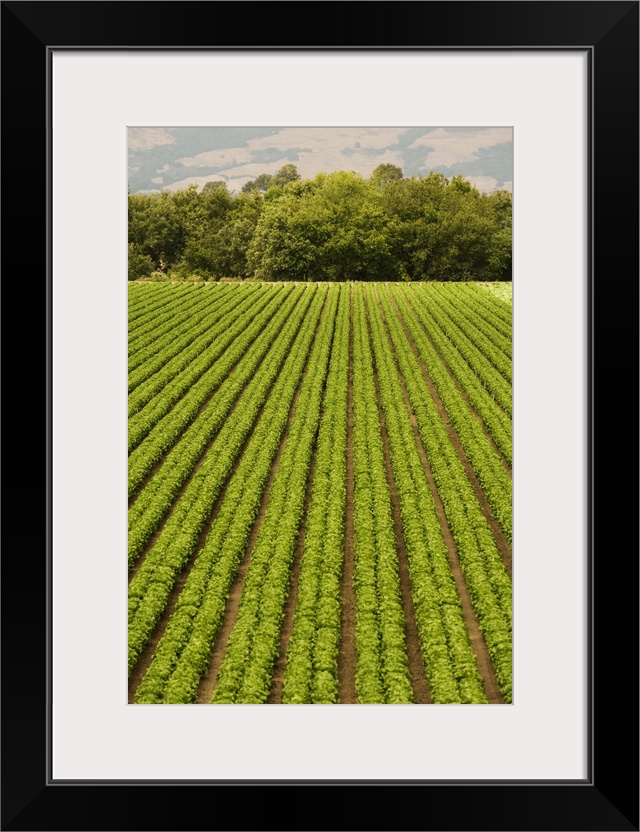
{"points": [[447, 230], [156, 228], [384, 174], [286, 174], [216, 184], [203, 215], [200, 210], [140, 265], [335, 229], [260, 183], [337, 226], [230, 242]]}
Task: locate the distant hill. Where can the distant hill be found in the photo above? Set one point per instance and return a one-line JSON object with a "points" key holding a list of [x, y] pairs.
{"points": [[171, 158]]}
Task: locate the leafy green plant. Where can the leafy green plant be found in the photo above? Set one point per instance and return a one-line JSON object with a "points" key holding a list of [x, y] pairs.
{"points": [[311, 673]]}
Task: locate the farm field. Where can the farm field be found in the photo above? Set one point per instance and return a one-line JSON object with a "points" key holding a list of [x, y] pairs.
{"points": [[320, 493], [502, 290]]}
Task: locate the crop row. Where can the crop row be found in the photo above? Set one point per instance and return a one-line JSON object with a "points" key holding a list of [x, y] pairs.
{"points": [[311, 673], [486, 577], [469, 314], [177, 379], [251, 347], [450, 662], [146, 381], [183, 652], [138, 301], [257, 388], [496, 421], [496, 309], [484, 460], [176, 318], [152, 301], [382, 671], [451, 320], [176, 334], [258, 370], [148, 327], [437, 321]]}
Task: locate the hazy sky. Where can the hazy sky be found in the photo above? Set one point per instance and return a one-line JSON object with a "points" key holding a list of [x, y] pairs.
{"points": [[175, 157]]}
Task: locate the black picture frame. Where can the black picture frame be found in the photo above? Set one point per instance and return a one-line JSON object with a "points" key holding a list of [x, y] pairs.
{"points": [[608, 798]]}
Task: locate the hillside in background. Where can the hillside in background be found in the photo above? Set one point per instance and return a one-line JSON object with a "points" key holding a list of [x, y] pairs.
{"points": [[173, 158]]}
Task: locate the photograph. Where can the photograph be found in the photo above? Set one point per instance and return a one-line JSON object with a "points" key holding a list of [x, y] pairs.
{"points": [[320, 415], [360, 470]]}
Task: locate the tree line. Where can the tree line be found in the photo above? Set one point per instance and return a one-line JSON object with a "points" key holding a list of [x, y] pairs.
{"points": [[336, 226]]}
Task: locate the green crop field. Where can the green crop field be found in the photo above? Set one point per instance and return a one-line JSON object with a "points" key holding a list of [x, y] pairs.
{"points": [[320, 493]]}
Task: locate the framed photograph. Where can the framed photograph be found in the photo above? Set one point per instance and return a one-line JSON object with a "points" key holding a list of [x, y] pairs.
{"points": [[563, 78]]}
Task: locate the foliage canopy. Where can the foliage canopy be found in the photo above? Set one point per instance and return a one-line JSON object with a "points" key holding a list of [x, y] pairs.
{"points": [[337, 226]]}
